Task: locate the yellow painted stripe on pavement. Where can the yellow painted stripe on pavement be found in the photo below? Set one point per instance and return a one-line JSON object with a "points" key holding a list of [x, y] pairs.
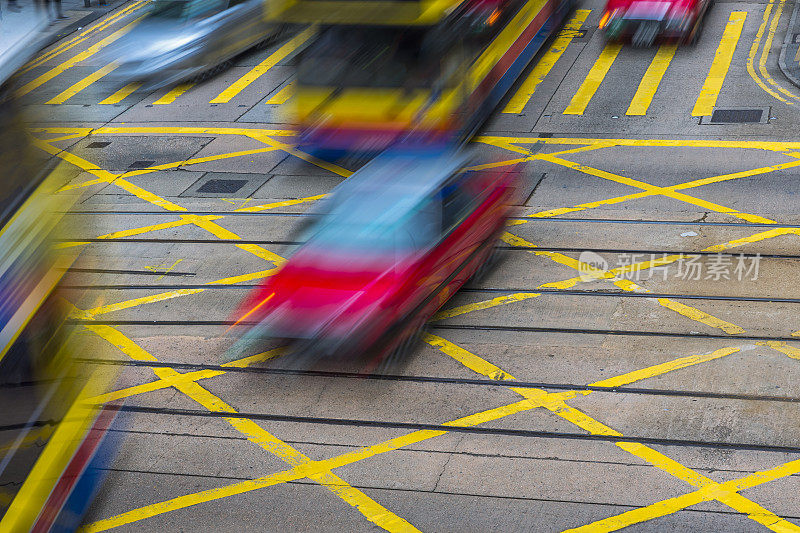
{"points": [[555, 402], [494, 302], [83, 36], [141, 231], [701, 316], [121, 94], [282, 96], [168, 295], [784, 348], [303, 471], [373, 511], [769, 234], [651, 80], [593, 80], [283, 203], [663, 368], [724, 492], [173, 93], [276, 57], [77, 87], [719, 66], [520, 99], [68, 64], [222, 233]]}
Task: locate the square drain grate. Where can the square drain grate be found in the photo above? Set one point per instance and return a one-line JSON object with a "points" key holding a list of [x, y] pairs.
{"points": [[140, 164], [98, 144], [222, 186], [738, 115]]}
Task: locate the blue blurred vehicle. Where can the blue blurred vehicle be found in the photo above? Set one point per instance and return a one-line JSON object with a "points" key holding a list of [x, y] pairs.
{"points": [[181, 39]]}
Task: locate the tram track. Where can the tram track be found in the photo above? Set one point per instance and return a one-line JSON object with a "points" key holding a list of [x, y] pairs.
{"points": [[492, 290], [462, 327], [443, 380], [559, 249], [473, 430], [531, 219]]}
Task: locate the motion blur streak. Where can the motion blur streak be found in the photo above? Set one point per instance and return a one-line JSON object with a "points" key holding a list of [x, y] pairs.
{"points": [[51, 445]]}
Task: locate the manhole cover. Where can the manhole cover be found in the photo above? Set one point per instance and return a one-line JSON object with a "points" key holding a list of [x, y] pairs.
{"points": [[737, 115], [140, 164], [97, 145], [221, 186]]}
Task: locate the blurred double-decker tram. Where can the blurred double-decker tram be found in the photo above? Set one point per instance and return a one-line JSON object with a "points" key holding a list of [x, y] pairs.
{"points": [[416, 73]]}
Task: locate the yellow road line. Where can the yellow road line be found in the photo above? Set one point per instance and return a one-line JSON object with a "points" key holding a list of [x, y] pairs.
{"points": [[726, 493], [173, 93], [520, 99], [651, 80], [415, 437], [722, 492], [494, 302], [184, 221], [168, 295], [593, 80], [83, 36], [121, 94], [164, 383], [68, 64], [77, 87], [303, 471], [670, 192], [761, 236], [784, 348], [719, 66], [282, 96], [762, 62], [590, 273], [276, 57], [283, 203], [372, 510]]}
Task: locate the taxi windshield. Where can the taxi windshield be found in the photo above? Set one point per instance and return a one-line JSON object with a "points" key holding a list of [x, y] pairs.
{"points": [[375, 228]]}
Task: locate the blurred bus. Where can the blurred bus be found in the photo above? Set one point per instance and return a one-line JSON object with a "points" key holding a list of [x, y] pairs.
{"points": [[50, 440], [417, 72]]}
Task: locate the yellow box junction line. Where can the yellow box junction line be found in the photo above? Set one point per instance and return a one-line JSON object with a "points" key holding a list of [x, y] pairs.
{"points": [[143, 302], [688, 311], [372, 510]]}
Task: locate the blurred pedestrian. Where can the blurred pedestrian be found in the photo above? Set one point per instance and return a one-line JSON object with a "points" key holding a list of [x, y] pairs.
{"points": [[57, 13], [13, 6], [88, 3]]}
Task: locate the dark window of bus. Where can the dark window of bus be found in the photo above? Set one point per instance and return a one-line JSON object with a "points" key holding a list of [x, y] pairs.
{"points": [[369, 57]]}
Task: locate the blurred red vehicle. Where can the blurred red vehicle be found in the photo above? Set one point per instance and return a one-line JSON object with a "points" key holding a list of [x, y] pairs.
{"points": [[643, 22], [394, 243]]}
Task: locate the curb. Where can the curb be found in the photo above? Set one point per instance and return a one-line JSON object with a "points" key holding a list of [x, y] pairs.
{"points": [[790, 47]]}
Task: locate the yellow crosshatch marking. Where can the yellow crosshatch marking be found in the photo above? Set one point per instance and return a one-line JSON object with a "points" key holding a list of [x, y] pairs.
{"points": [[322, 471]]}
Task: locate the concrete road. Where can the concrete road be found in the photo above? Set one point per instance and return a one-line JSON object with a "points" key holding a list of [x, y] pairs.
{"points": [[647, 300]]}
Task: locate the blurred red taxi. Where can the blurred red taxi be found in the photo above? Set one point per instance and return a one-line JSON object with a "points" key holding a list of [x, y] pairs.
{"points": [[643, 22], [390, 246]]}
